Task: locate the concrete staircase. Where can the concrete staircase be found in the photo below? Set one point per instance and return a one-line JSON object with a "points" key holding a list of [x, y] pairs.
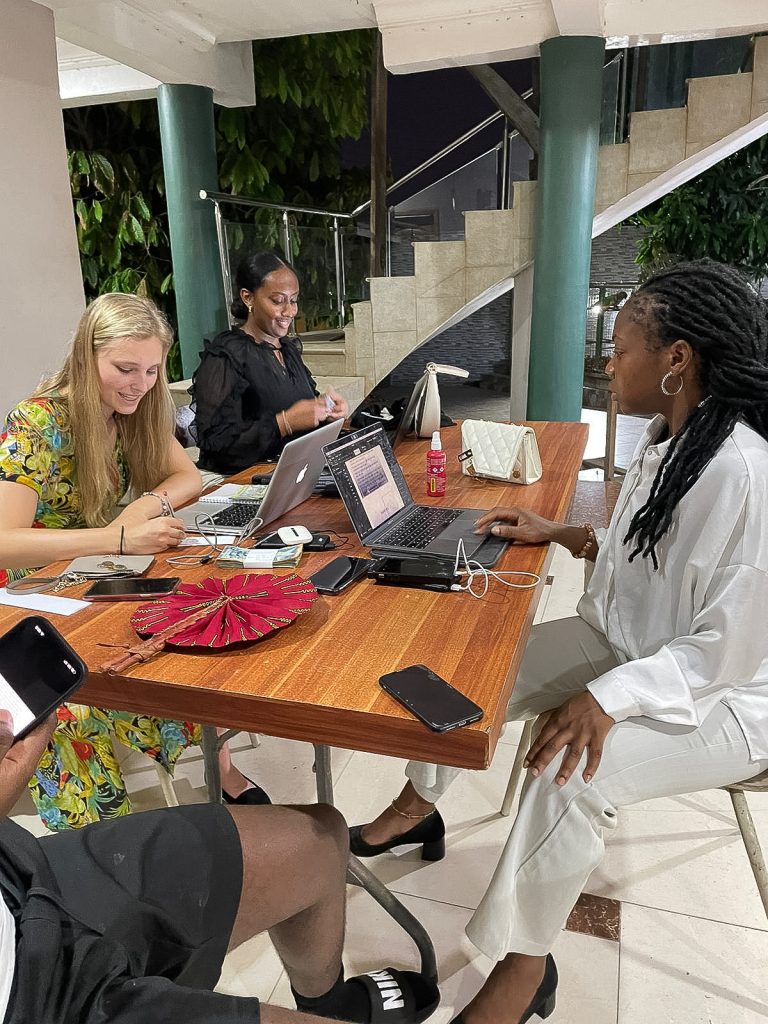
{"points": [[451, 279]]}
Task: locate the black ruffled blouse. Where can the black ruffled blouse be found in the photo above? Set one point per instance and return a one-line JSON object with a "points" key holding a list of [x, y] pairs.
{"points": [[236, 390]]}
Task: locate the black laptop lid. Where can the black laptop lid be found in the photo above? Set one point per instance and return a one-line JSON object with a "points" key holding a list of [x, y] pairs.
{"points": [[370, 481]]}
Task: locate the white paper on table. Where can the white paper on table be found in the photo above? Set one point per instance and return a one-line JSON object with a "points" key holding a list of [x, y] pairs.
{"points": [[43, 603], [194, 541]]}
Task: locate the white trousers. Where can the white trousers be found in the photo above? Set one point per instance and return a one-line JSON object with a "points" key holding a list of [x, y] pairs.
{"points": [[557, 837]]}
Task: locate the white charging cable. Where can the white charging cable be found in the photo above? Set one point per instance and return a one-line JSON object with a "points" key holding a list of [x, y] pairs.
{"points": [[472, 569]]}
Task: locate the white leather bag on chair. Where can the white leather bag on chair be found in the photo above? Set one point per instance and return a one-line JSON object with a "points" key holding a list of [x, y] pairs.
{"points": [[427, 418], [500, 451]]}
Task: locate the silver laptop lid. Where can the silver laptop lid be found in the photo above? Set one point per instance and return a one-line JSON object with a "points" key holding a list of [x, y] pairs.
{"points": [[294, 476], [370, 481], [296, 472]]}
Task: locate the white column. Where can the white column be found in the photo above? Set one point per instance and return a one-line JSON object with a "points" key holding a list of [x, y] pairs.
{"points": [[41, 288]]}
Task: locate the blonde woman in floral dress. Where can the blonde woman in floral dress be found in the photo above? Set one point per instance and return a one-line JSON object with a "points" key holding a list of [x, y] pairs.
{"points": [[100, 428]]}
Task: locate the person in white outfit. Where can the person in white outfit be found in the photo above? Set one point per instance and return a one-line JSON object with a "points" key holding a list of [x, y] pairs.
{"points": [[659, 685]]}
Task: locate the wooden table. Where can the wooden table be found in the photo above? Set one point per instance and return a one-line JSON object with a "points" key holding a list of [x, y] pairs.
{"points": [[318, 679]]}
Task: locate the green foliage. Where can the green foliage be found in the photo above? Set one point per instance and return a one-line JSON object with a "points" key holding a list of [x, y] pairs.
{"points": [[714, 215], [311, 93]]}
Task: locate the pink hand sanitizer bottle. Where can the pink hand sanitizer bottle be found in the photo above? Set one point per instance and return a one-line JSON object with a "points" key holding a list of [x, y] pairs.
{"points": [[436, 468]]}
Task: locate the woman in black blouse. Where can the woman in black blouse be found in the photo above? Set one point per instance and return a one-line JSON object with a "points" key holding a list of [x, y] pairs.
{"points": [[252, 391]]}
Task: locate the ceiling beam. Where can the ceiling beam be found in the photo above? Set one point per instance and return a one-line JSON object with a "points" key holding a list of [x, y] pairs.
{"points": [[509, 102], [164, 51], [634, 22], [86, 78], [578, 17], [429, 34]]}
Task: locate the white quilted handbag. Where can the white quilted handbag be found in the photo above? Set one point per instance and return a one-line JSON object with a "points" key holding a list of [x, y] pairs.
{"points": [[500, 451]]}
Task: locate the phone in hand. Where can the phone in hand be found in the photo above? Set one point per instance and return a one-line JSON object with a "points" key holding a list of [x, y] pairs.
{"points": [[139, 589], [438, 704], [38, 672], [339, 573]]}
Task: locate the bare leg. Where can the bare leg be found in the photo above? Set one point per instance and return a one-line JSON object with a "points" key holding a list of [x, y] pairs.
{"points": [[233, 781], [294, 886], [508, 990], [390, 824]]}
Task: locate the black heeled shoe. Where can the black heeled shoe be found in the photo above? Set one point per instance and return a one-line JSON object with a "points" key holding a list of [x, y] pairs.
{"points": [[430, 832], [253, 796], [543, 1002]]}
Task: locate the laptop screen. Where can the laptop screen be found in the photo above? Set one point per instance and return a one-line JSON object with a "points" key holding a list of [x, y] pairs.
{"points": [[370, 481]]}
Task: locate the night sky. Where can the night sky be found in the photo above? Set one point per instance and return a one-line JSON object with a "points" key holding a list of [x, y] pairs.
{"points": [[426, 111]]}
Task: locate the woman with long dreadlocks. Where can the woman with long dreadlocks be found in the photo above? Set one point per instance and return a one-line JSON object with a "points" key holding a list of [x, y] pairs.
{"points": [[659, 686]]}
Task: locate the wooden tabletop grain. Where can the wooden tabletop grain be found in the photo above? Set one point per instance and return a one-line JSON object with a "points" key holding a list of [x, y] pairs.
{"points": [[317, 680]]}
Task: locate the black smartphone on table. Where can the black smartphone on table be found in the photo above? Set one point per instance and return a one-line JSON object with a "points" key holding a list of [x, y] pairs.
{"points": [[140, 589], [438, 704], [38, 672], [339, 573], [426, 573]]}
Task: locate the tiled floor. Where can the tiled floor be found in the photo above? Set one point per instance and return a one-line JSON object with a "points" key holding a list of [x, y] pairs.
{"points": [[693, 937]]}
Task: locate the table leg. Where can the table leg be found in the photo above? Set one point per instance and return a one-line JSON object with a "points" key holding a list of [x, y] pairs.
{"points": [[323, 776], [211, 746], [358, 874]]}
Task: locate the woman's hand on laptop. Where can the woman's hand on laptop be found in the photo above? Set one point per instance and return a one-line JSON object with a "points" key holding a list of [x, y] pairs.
{"points": [[518, 524]]}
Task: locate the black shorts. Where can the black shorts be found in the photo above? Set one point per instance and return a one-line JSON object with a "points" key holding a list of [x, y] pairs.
{"points": [[125, 921]]}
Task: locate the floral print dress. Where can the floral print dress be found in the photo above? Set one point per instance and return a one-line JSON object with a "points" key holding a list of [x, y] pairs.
{"points": [[78, 779]]}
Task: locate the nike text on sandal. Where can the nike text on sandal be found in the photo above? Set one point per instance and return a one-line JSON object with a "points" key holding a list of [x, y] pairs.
{"points": [[398, 997]]}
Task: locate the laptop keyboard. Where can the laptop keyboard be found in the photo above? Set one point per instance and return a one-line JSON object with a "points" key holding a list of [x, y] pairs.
{"points": [[420, 528], [239, 513]]}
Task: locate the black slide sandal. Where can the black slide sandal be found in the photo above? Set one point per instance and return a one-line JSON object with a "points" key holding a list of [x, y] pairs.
{"points": [[398, 997]]}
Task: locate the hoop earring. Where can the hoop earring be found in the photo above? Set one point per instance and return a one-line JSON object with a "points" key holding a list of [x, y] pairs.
{"points": [[664, 379]]}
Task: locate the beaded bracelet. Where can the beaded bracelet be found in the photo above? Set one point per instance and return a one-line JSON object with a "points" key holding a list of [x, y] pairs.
{"points": [[591, 539], [286, 424], [165, 505]]}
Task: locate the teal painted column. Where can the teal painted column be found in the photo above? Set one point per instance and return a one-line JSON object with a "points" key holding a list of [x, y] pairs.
{"points": [[571, 89], [189, 162]]}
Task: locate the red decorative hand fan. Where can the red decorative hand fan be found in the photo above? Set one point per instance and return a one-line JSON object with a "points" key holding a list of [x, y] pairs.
{"points": [[217, 613]]}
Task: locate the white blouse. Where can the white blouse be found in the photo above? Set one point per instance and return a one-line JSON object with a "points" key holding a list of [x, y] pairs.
{"points": [[695, 632], [7, 955]]}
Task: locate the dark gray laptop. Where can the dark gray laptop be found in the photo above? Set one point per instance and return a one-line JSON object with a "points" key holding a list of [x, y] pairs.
{"points": [[385, 517], [291, 483]]}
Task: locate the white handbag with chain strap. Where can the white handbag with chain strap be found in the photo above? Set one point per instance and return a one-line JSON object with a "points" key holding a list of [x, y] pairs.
{"points": [[500, 451]]}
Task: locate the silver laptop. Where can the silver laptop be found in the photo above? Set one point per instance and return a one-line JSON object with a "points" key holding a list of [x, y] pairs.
{"points": [[291, 483], [385, 517]]}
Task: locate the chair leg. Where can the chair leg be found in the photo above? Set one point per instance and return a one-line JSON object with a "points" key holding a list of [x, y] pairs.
{"points": [[517, 768], [166, 784], [751, 843]]}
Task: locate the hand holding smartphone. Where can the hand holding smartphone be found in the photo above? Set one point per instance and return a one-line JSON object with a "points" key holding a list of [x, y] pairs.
{"points": [[38, 672]]}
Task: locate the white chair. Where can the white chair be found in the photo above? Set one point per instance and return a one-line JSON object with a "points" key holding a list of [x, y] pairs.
{"points": [[737, 793]]}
